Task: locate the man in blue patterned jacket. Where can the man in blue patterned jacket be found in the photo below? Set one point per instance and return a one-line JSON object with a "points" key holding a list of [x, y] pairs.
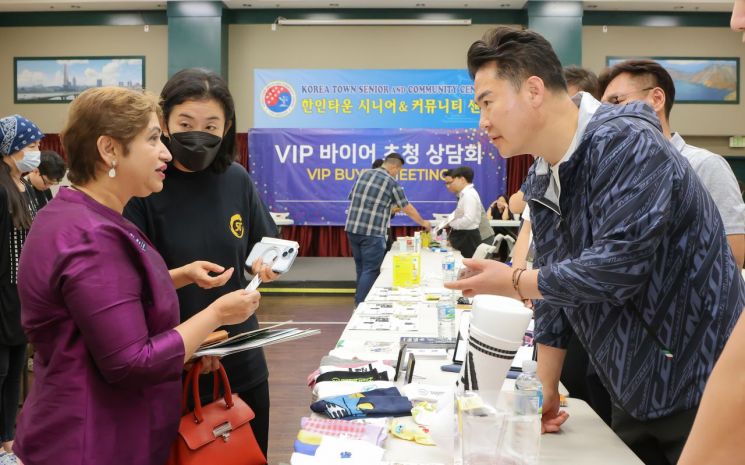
{"points": [[630, 249]]}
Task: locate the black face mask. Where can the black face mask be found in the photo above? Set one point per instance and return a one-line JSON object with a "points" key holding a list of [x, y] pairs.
{"points": [[196, 150]]}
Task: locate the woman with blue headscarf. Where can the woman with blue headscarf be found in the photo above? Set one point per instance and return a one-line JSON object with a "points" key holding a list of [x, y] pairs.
{"points": [[19, 148]]}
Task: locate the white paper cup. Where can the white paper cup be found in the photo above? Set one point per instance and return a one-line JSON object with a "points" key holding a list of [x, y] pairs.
{"points": [[487, 361], [501, 317], [490, 339]]}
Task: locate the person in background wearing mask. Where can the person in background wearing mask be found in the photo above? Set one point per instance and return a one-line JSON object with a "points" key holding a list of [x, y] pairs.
{"points": [[717, 433], [50, 172], [209, 209], [19, 147]]}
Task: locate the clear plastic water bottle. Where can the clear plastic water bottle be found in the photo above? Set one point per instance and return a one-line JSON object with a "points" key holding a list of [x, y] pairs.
{"points": [[446, 316], [532, 395], [523, 432], [448, 267]]}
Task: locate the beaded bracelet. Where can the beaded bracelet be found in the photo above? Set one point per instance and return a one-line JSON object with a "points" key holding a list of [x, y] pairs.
{"points": [[516, 281]]}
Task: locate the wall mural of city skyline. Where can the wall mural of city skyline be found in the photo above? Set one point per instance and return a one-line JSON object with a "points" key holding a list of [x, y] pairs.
{"points": [[61, 79]]}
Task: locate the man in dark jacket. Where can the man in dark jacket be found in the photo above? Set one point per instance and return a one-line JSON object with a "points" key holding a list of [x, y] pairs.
{"points": [[630, 249]]}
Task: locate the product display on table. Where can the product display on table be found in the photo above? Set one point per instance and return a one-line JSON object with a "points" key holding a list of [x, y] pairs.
{"points": [[402, 294], [376, 403], [395, 316], [342, 388], [364, 376], [363, 373], [333, 451], [431, 399], [407, 430], [372, 433]]}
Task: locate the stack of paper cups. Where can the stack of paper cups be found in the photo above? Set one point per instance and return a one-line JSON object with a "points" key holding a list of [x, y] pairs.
{"points": [[496, 331]]}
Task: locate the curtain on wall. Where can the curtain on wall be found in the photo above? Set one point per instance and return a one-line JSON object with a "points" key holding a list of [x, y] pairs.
{"points": [[53, 142], [517, 169]]}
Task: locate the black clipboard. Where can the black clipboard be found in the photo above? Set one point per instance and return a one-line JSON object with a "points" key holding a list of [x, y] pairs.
{"points": [[460, 344], [400, 361], [410, 368]]}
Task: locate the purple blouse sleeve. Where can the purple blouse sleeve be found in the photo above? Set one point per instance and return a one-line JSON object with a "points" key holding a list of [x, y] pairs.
{"points": [[101, 282]]}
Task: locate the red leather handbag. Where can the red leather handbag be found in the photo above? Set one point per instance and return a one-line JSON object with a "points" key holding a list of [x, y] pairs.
{"points": [[217, 433]]}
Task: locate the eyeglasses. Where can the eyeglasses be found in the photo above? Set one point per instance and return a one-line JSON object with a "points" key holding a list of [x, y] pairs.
{"points": [[48, 182], [616, 99]]}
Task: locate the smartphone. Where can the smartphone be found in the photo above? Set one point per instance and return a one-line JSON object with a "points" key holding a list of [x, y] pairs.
{"points": [[279, 254]]}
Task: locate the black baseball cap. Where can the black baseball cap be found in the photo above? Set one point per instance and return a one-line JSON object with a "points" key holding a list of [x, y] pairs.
{"points": [[396, 156]]}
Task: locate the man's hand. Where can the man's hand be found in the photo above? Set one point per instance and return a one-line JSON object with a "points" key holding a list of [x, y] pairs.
{"points": [[486, 277], [199, 273], [552, 418], [264, 271], [426, 224]]}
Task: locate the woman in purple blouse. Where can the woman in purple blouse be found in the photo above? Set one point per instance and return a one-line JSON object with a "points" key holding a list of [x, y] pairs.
{"points": [[99, 304]]}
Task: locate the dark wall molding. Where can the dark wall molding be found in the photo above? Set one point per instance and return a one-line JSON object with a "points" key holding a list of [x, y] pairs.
{"points": [[268, 16]]}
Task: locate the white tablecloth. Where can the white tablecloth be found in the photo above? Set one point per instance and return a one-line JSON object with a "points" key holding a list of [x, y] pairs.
{"points": [[584, 439]]}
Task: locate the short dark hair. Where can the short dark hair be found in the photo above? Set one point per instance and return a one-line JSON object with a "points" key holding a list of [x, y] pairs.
{"points": [[447, 173], [395, 156], [518, 54], [202, 84], [643, 68], [52, 165], [582, 78], [377, 163], [465, 172]]}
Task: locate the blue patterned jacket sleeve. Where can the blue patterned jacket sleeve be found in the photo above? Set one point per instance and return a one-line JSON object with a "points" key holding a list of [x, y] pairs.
{"points": [[629, 199]]}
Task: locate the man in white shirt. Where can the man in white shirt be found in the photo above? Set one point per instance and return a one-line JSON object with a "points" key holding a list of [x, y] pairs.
{"points": [[465, 220], [648, 81]]}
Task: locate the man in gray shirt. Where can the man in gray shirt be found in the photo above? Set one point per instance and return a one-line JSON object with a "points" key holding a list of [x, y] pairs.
{"points": [[647, 81]]}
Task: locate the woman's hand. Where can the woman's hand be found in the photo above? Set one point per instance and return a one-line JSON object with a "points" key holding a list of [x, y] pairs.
{"points": [[199, 273], [209, 364], [264, 271], [235, 307]]}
